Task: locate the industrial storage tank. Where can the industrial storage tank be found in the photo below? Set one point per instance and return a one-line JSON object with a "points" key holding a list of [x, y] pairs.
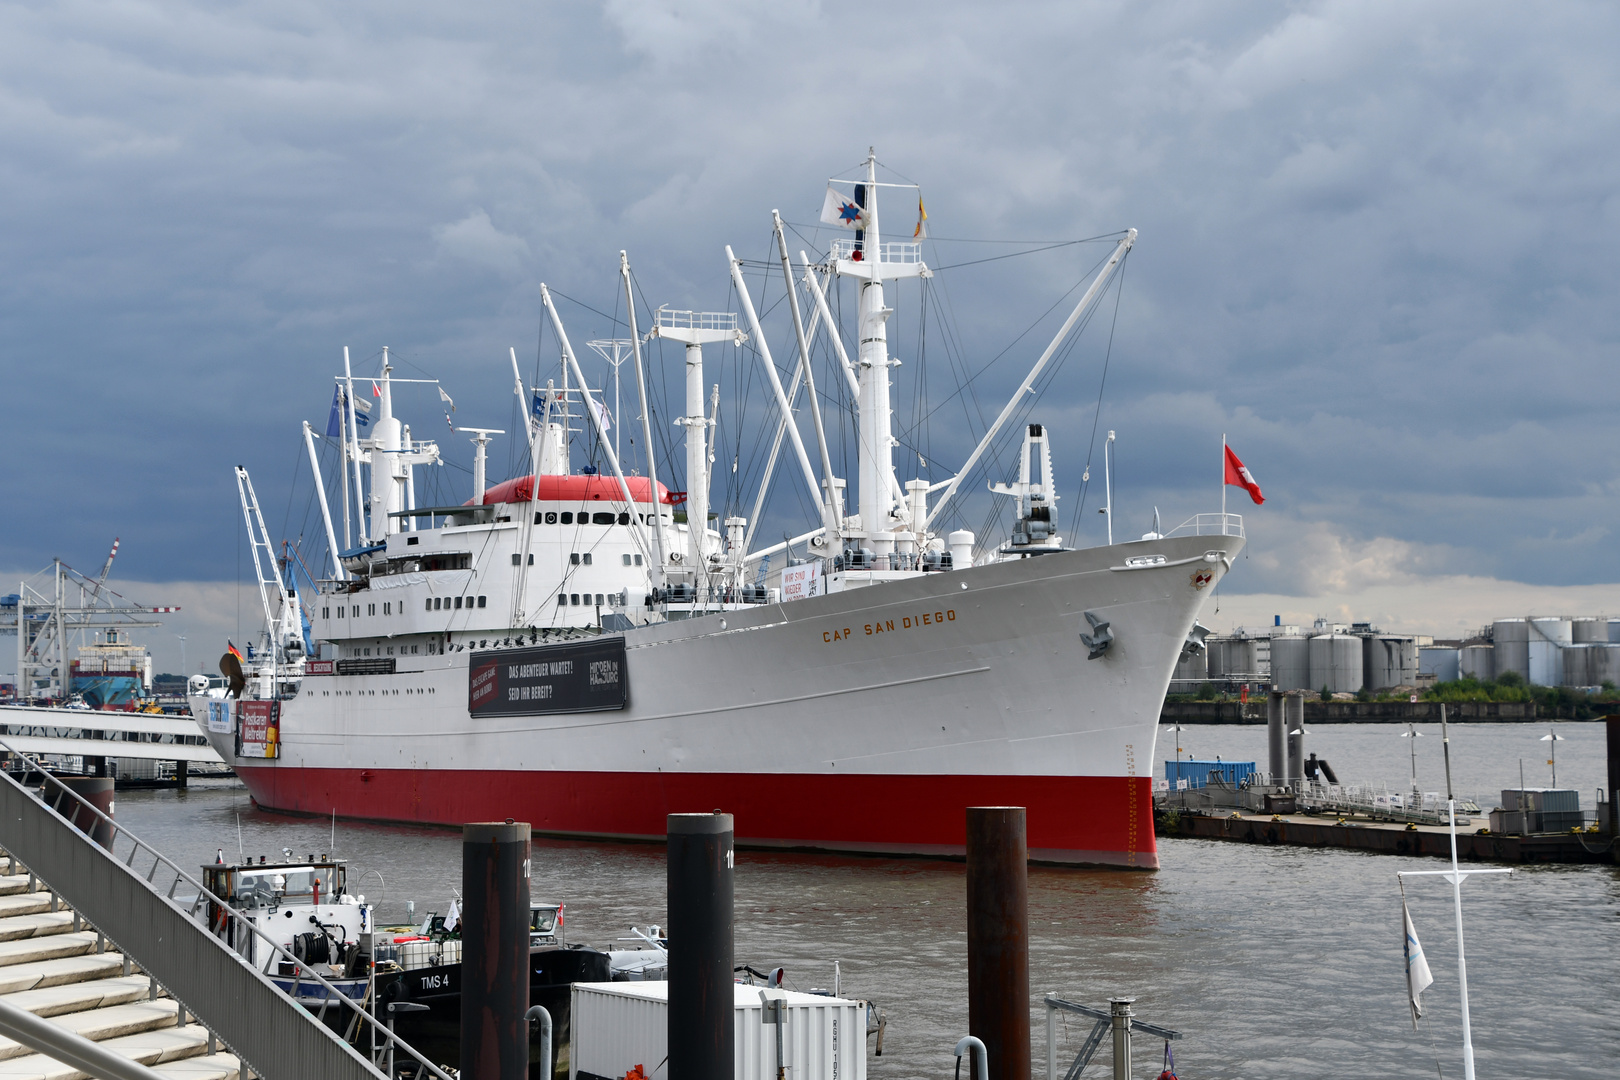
{"points": [[1388, 661], [1614, 631], [1477, 662], [1290, 662], [1195, 667], [1215, 665], [1589, 631], [1548, 640], [1336, 663], [1575, 665], [1512, 638], [1603, 665], [1242, 657], [1445, 664]]}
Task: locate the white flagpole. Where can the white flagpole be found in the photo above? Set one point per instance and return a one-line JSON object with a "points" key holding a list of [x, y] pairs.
{"points": [[1456, 875], [1223, 481]]}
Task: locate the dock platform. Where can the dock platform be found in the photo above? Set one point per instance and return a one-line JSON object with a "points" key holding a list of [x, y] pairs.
{"points": [[1386, 838], [54, 966]]}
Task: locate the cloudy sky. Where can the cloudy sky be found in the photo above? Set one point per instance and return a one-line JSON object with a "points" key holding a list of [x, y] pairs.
{"points": [[1377, 250]]}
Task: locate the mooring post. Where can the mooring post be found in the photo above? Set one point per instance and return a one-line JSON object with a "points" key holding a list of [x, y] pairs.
{"points": [[1275, 735], [1120, 1010], [1295, 705], [1612, 826], [998, 937], [495, 950], [701, 1013]]}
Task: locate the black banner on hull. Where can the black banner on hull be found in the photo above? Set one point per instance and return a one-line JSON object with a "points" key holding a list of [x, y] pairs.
{"points": [[585, 677]]}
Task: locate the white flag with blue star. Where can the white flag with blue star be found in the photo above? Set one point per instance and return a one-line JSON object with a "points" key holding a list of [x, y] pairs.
{"points": [[1418, 978], [843, 212]]}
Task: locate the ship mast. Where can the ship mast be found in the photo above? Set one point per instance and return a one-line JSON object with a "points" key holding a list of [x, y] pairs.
{"points": [[870, 261]]}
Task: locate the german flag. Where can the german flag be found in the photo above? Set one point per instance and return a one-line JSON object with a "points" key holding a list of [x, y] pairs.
{"points": [[232, 649]]}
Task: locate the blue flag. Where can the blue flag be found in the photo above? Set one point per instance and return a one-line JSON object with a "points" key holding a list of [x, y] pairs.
{"points": [[334, 428]]}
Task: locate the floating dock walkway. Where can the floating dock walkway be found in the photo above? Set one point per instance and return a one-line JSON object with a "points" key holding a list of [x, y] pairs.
{"points": [[1386, 838]]}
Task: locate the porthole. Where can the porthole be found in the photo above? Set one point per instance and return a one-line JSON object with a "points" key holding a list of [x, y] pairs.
{"points": [[567, 517]]}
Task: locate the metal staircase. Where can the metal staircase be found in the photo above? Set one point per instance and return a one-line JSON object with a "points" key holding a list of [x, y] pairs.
{"points": [[164, 969]]}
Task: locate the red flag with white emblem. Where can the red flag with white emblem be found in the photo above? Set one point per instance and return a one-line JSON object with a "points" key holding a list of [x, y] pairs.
{"points": [[1238, 475]]}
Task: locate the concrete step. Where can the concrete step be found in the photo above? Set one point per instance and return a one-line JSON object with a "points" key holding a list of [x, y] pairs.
{"points": [[78, 996], [15, 883], [61, 971], [29, 950], [25, 903], [208, 1067], [98, 1025], [180, 1052], [42, 924]]}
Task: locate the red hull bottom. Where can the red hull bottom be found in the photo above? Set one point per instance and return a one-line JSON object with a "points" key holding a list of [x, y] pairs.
{"points": [[1086, 820]]}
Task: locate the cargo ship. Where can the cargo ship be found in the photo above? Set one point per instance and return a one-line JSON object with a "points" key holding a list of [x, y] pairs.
{"points": [[582, 650]]}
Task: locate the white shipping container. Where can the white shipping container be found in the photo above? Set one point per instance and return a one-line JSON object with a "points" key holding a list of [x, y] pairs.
{"points": [[616, 1026]]}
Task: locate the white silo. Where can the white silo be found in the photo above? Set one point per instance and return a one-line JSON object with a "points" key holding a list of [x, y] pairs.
{"points": [[1290, 662], [1576, 665], [1388, 661], [1512, 638], [1603, 665], [1336, 663], [1589, 631], [1477, 662], [1195, 667], [1441, 662], [1548, 639]]}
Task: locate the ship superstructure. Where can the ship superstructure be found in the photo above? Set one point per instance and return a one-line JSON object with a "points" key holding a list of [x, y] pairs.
{"points": [[583, 651]]}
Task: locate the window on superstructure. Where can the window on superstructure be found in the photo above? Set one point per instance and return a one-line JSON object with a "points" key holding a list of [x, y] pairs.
{"points": [[638, 560], [517, 559], [551, 517], [627, 559], [531, 558], [587, 558], [601, 518], [481, 600], [567, 517], [599, 600], [573, 558], [573, 598], [388, 607], [356, 611], [458, 603], [538, 516], [624, 519], [562, 601], [326, 612]]}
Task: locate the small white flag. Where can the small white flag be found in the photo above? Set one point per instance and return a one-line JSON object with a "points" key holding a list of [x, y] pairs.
{"points": [[444, 397], [603, 417], [452, 918], [1418, 977], [845, 213]]}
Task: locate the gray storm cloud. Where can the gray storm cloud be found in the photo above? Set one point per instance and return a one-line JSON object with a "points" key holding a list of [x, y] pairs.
{"points": [[1376, 244]]}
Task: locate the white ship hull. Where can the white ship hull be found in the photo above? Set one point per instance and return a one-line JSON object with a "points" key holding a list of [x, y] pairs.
{"points": [[865, 720]]}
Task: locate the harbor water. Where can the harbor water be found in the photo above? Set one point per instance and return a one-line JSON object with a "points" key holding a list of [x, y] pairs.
{"points": [[1273, 962]]}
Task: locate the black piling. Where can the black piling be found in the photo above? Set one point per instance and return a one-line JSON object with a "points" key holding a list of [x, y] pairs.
{"points": [[95, 790], [998, 937], [1612, 726], [701, 920], [495, 950]]}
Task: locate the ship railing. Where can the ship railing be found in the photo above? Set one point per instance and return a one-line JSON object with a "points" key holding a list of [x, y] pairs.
{"points": [[890, 251], [670, 319], [1370, 799], [1210, 525], [217, 988]]}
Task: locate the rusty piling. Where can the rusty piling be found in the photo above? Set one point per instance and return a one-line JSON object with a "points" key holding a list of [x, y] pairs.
{"points": [[998, 937]]}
